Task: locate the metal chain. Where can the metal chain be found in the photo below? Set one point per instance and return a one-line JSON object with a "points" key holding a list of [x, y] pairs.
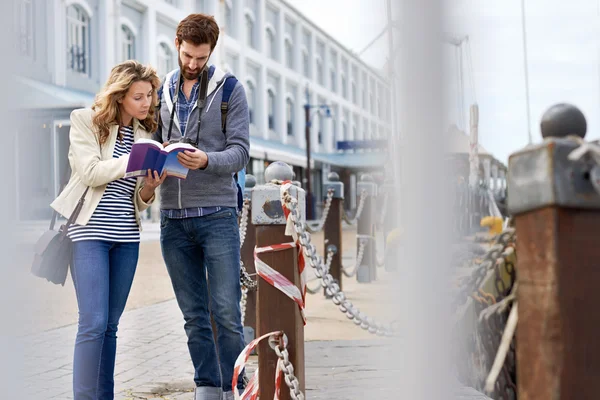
{"points": [[331, 287], [243, 303], [359, 209], [244, 221], [328, 200], [493, 313], [359, 256], [279, 345], [317, 289], [246, 280], [472, 282]]}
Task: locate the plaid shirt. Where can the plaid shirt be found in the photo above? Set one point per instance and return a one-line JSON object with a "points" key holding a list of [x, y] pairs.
{"points": [[184, 107]]}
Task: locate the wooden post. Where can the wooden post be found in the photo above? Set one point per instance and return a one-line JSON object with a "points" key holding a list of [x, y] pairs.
{"points": [[367, 271], [276, 311], [247, 254], [557, 219], [332, 231]]}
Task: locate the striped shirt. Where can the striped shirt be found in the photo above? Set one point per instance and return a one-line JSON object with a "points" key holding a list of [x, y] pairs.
{"points": [[114, 218]]}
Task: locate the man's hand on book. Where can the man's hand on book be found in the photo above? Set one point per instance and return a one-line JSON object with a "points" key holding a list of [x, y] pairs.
{"points": [[196, 159]]}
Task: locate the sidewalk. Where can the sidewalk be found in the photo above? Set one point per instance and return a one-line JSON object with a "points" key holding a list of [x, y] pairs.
{"points": [[153, 363]]}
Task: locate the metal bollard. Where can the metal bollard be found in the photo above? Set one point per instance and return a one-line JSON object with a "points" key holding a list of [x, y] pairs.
{"points": [[390, 223], [557, 219], [332, 231], [367, 271], [247, 255], [276, 311]]}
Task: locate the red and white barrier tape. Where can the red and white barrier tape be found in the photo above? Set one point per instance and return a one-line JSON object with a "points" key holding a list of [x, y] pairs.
{"points": [[252, 391], [291, 231], [275, 279]]}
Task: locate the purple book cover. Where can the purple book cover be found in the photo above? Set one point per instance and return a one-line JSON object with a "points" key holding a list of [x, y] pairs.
{"points": [[148, 154]]}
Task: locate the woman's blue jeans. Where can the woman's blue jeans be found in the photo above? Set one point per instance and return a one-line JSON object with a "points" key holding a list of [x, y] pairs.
{"points": [[102, 274]]}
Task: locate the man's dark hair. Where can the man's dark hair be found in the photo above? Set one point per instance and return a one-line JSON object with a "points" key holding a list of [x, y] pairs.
{"points": [[198, 29]]}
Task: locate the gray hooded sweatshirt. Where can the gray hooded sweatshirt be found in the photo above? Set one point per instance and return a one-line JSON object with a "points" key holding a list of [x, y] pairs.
{"points": [[227, 153]]}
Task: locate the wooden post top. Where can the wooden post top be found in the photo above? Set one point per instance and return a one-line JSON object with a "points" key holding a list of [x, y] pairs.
{"points": [[333, 182], [543, 175], [266, 199]]}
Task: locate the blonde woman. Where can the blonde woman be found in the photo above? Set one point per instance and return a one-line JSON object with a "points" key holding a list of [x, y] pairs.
{"points": [[106, 233]]}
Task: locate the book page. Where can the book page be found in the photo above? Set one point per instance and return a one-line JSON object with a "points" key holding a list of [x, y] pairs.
{"points": [[173, 166], [175, 146]]}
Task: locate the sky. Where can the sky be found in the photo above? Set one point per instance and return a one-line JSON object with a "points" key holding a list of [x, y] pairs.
{"points": [[563, 43]]}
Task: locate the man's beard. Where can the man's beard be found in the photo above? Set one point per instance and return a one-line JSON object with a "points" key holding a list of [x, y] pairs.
{"points": [[186, 74]]}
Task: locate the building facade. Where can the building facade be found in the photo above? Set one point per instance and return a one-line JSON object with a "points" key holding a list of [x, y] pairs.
{"points": [[281, 57]]}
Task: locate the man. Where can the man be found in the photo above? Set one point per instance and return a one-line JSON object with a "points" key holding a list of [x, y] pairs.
{"points": [[199, 228]]}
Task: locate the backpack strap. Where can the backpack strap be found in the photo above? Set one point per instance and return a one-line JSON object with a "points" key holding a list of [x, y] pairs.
{"points": [[228, 87]]}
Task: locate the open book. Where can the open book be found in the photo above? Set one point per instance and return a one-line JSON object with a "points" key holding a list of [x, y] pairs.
{"points": [[149, 154]]}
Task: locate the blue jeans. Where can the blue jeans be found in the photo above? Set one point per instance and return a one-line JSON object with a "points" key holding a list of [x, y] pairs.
{"points": [[193, 248], [102, 274]]}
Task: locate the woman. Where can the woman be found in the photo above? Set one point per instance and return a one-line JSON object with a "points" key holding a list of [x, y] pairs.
{"points": [[106, 233]]}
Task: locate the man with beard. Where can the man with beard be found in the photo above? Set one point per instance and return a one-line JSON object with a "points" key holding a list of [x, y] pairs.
{"points": [[199, 228]]}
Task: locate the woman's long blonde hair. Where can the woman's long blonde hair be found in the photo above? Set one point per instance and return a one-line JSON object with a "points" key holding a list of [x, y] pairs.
{"points": [[106, 106]]}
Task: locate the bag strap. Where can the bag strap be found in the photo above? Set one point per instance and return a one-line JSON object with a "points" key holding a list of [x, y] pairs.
{"points": [[75, 213], [228, 87]]}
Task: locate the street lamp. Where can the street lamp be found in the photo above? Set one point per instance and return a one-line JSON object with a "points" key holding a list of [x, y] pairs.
{"points": [[307, 108]]}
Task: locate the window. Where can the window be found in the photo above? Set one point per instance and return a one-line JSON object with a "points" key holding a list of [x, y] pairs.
{"points": [[289, 111], [320, 77], [333, 132], [344, 87], [305, 63], [25, 20], [364, 97], [271, 44], [165, 59], [354, 92], [344, 131], [78, 40], [321, 128], [172, 2], [289, 54], [271, 98], [251, 98], [128, 38], [229, 24], [333, 79], [250, 32], [272, 15]]}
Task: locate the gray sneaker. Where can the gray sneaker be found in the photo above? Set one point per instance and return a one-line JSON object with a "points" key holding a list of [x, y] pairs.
{"points": [[208, 393]]}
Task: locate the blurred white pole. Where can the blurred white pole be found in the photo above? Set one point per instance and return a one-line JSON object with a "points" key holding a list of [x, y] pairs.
{"points": [[526, 66], [423, 351]]}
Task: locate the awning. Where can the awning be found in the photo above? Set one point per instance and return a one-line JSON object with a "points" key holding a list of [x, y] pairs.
{"points": [[276, 151], [353, 160], [40, 95]]}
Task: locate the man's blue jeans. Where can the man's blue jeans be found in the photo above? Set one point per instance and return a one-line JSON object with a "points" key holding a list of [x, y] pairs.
{"points": [[193, 248], [102, 274]]}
